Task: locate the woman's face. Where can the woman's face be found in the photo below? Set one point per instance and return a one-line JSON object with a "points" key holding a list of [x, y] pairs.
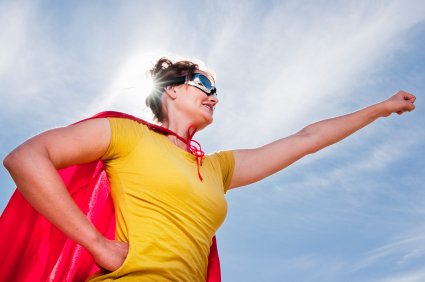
{"points": [[194, 104]]}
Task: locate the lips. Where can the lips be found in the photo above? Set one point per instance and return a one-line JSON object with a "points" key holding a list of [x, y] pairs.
{"points": [[211, 108]]}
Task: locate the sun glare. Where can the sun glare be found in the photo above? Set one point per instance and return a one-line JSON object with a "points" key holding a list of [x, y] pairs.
{"points": [[131, 86]]}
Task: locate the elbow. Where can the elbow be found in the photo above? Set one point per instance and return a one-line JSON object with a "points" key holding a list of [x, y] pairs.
{"points": [[12, 159], [28, 154], [313, 142], [20, 155], [6, 162]]}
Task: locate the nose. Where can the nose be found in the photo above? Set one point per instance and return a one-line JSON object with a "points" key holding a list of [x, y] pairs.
{"points": [[213, 99]]}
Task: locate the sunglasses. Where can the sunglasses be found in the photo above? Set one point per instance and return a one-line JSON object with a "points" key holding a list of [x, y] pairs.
{"points": [[199, 81]]}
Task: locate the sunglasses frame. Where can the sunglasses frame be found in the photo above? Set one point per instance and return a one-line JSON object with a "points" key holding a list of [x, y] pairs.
{"points": [[195, 81]]}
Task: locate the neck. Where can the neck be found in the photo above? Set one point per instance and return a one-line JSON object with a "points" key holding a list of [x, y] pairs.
{"points": [[181, 129], [186, 131]]}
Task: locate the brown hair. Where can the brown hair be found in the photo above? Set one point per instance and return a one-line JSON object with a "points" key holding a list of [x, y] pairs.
{"points": [[163, 74]]}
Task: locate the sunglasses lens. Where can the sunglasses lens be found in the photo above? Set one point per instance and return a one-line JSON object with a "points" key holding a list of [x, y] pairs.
{"points": [[204, 83]]}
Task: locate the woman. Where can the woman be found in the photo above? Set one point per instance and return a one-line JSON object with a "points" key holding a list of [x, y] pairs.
{"points": [[169, 202]]}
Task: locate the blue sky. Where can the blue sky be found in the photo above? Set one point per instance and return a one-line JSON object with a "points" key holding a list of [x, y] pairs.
{"points": [[352, 212]]}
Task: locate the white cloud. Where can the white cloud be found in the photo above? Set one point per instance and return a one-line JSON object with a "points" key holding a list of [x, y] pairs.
{"points": [[299, 70], [408, 246], [410, 276], [14, 22]]}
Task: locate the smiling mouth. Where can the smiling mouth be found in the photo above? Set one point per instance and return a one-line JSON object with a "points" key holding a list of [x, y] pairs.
{"points": [[209, 107]]}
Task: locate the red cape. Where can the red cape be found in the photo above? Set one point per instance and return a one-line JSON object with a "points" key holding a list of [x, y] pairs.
{"points": [[34, 250]]}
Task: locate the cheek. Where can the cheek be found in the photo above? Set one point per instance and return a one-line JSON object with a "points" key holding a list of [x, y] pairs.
{"points": [[193, 96], [190, 98], [186, 103]]}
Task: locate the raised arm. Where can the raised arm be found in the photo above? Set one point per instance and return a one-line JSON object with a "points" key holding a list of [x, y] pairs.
{"points": [[33, 166], [255, 164]]}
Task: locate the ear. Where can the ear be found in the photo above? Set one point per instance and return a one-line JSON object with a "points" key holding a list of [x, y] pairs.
{"points": [[171, 92]]}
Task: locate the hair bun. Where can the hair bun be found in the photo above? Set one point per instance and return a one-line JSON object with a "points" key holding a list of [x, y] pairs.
{"points": [[160, 66]]}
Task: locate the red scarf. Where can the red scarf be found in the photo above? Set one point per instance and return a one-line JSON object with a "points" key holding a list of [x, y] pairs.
{"points": [[34, 250]]}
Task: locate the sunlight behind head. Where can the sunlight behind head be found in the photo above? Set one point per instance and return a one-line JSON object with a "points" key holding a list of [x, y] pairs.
{"points": [[130, 86]]}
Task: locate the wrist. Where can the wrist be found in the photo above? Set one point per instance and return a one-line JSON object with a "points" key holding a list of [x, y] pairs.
{"points": [[382, 109], [94, 242]]}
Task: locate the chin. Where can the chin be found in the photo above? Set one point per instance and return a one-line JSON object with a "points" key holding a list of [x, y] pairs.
{"points": [[204, 123]]}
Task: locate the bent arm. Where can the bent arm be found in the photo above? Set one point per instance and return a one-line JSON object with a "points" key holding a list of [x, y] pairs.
{"points": [[255, 164], [33, 166]]}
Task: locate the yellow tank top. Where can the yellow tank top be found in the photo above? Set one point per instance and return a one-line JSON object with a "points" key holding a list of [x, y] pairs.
{"points": [[165, 213]]}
